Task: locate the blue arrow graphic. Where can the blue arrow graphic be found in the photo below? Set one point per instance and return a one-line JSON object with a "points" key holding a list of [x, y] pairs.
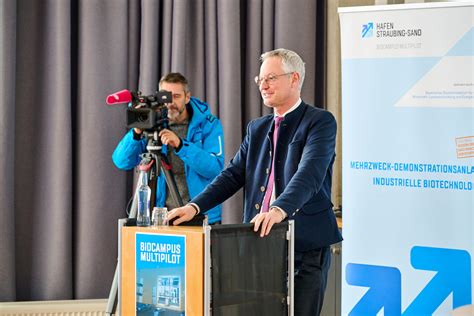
{"points": [[384, 285], [454, 275], [367, 28]]}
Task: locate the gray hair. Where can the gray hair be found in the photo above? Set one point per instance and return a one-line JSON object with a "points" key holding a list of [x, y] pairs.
{"points": [[174, 77], [290, 60]]}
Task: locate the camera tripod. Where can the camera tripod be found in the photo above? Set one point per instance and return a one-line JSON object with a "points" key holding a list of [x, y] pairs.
{"points": [[150, 161]]}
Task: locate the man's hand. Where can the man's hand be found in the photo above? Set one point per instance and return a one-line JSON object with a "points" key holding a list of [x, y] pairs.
{"points": [[169, 138], [274, 216], [184, 214]]}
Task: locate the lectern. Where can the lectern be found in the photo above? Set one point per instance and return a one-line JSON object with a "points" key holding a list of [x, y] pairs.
{"points": [[205, 270]]}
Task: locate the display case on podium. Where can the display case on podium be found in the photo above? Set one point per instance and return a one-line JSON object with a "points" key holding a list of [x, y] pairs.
{"points": [[205, 270]]}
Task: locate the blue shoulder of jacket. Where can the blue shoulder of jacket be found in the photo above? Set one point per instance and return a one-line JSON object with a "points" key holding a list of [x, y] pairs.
{"points": [[311, 111], [200, 106], [202, 110]]}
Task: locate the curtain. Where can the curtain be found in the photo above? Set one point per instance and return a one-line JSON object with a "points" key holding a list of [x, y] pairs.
{"points": [[60, 194]]}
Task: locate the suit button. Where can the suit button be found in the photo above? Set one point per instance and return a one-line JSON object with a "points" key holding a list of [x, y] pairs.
{"points": [[262, 188], [257, 207], [267, 170]]}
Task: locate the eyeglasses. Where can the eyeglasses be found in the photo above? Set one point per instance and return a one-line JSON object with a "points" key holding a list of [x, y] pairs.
{"points": [[271, 78]]}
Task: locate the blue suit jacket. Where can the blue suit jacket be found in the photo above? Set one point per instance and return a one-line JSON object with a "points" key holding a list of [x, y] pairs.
{"points": [[303, 172]]}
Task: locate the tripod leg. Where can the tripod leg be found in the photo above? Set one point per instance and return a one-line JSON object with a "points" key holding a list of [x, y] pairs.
{"points": [[155, 152], [112, 301], [134, 207], [170, 181], [113, 295]]}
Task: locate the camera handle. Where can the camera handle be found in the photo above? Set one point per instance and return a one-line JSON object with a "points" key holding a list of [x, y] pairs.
{"points": [[150, 158]]}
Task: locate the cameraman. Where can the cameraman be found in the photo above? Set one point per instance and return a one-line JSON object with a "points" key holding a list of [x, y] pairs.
{"points": [[194, 144]]}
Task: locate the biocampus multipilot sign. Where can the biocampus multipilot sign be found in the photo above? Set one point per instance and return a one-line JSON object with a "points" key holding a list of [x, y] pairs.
{"points": [[160, 273]]}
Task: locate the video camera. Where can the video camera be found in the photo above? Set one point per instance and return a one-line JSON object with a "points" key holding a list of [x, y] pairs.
{"points": [[148, 113]]}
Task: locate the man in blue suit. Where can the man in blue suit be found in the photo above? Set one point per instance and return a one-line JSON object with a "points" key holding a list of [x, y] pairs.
{"points": [[289, 181]]}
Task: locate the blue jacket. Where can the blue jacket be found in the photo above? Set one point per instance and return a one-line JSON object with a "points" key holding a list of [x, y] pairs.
{"points": [[202, 153], [305, 154]]}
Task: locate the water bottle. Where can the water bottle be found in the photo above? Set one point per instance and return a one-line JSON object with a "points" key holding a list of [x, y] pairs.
{"points": [[144, 194]]}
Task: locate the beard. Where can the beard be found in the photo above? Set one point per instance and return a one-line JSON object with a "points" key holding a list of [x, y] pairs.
{"points": [[173, 115], [174, 112]]}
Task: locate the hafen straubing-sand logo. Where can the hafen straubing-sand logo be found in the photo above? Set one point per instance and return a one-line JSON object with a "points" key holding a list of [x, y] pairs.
{"points": [[388, 29]]}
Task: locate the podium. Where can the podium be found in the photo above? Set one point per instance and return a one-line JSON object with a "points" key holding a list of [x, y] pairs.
{"points": [[205, 270]]}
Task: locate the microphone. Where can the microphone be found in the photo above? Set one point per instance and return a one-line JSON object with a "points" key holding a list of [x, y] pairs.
{"points": [[123, 96]]}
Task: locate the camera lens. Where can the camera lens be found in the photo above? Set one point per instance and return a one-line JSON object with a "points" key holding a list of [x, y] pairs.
{"points": [[143, 117]]}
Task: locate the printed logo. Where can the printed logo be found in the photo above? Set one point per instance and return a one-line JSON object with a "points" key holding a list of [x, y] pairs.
{"points": [[368, 30]]}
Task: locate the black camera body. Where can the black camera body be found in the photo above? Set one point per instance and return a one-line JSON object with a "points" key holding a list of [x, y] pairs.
{"points": [[149, 113]]}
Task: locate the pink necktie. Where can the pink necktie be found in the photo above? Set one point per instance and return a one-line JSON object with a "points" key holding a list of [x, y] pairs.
{"points": [[270, 183]]}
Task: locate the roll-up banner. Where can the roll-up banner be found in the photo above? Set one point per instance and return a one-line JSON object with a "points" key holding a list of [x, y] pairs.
{"points": [[408, 158]]}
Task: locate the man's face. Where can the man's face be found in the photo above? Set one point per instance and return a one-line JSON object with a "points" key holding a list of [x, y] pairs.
{"points": [[277, 88], [177, 109]]}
